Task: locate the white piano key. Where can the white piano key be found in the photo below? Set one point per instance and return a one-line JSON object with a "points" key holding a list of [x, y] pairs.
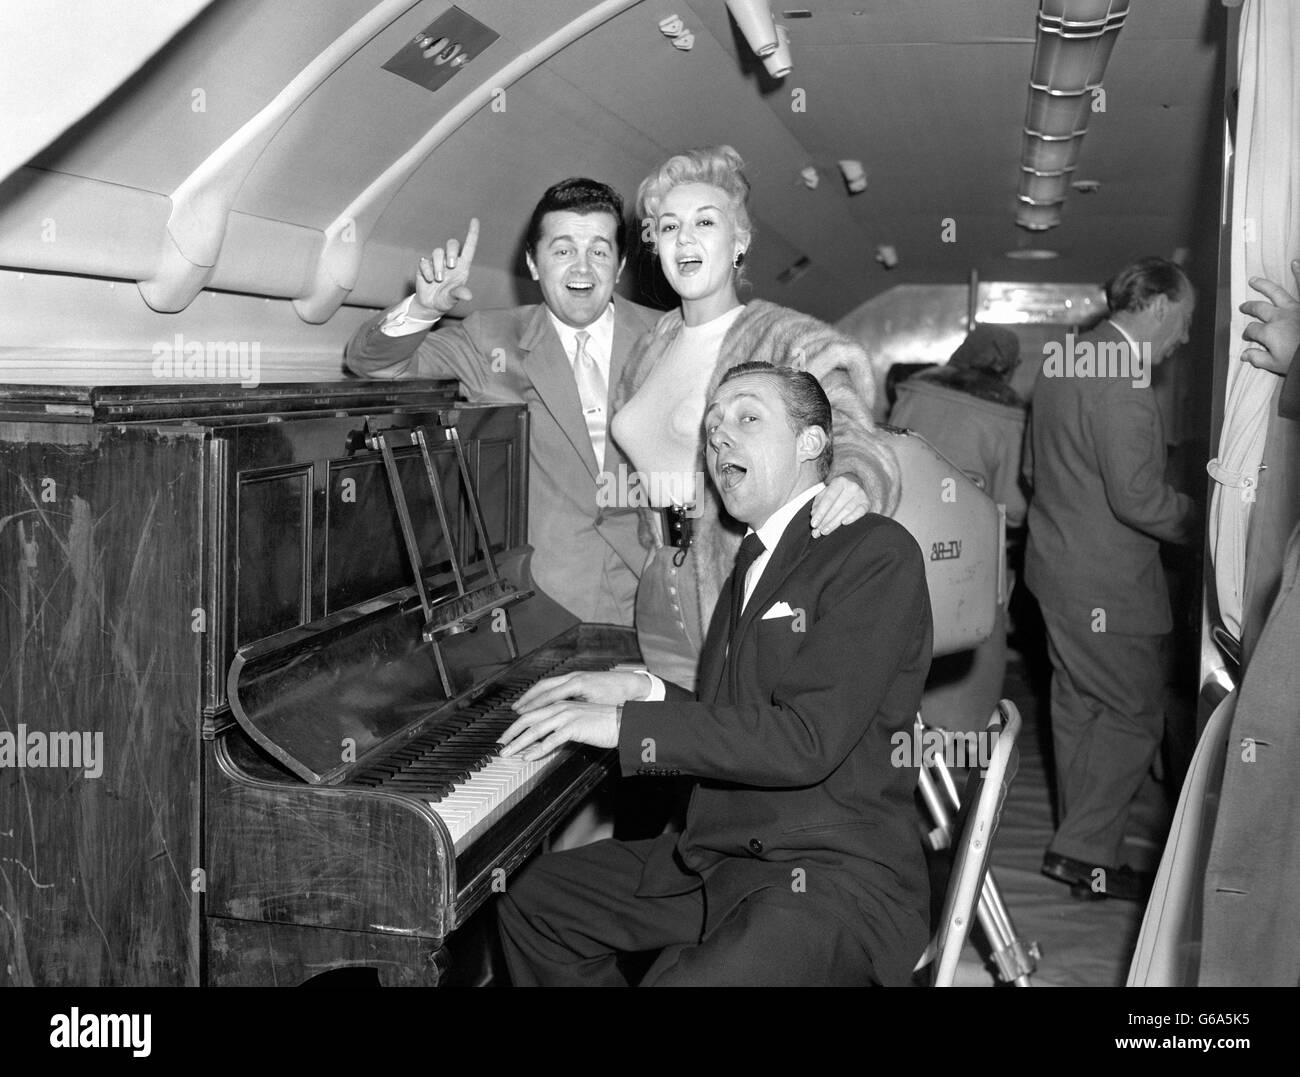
{"points": [[473, 805]]}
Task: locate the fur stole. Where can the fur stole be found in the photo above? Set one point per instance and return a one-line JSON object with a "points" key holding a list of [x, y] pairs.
{"points": [[766, 332]]}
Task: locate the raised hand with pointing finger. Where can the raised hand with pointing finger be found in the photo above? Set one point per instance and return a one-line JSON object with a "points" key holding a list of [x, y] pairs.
{"points": [[441, 279]]}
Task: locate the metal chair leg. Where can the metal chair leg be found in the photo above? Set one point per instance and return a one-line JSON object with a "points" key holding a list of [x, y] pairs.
{"points": [[1014, 960]]}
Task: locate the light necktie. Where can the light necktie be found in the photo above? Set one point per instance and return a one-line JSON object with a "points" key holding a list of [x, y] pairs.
{"points": [[593, 392]]}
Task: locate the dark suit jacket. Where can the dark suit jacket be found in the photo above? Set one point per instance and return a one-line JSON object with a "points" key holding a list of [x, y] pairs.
{"points": [[586, 558], [796, 781], [1288, 404], [1095, 457], [1250, 933]]}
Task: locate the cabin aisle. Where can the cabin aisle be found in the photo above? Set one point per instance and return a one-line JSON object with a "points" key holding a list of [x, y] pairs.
{"points": [[1083, 943]]}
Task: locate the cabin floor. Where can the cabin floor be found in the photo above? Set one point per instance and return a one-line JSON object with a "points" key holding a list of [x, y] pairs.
{"points": [[1082, 943]]}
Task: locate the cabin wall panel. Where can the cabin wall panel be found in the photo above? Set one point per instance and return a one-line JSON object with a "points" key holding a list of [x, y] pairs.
{"points": [[77, 330], [112, 39], [56, 222], [209, 81]]}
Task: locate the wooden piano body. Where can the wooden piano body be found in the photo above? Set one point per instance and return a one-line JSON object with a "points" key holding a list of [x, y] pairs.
{"points": [[216, 580]]}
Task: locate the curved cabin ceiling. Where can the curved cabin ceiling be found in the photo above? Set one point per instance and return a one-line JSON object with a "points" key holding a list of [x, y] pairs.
{"points": [[929, 95]]}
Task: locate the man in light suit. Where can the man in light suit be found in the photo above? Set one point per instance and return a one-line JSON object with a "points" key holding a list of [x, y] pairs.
{"points": [[1095, 458], [801, 861], [560, 357]]}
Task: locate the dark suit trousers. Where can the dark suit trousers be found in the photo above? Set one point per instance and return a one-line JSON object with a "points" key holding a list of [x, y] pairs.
{"points": [[1107, 722], [565, 918]]}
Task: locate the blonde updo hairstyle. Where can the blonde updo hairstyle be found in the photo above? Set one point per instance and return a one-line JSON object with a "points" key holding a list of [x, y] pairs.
{"points": [[718, 166]]}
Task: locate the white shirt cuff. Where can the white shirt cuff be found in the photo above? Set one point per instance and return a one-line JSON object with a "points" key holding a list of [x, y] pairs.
{"points": [[657, 691], [399, 323]]}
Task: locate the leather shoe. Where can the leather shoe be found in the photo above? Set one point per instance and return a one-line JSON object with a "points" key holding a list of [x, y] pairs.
{"points": [[1097, 881]]}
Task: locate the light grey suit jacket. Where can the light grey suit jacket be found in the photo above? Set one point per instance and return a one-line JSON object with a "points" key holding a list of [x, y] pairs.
{"points": [[586, 557], [1095, 457]]}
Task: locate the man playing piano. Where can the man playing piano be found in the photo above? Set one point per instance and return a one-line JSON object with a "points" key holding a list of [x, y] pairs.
{"points": [[801, 861]]}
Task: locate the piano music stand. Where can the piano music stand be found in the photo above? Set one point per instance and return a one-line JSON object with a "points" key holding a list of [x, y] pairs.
{"points": [[470, 605]]}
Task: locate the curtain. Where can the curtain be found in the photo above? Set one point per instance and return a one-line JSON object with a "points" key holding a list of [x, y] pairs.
{"points": [[1220, 911], [1265, 226]]}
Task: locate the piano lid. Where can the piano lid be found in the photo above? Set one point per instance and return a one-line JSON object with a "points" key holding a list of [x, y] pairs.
{"points": [[323, 697], [214, 402]]}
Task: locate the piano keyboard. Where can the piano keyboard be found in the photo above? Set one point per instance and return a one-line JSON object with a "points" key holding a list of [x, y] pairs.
{"points": [[455, 767], [473, 806]]}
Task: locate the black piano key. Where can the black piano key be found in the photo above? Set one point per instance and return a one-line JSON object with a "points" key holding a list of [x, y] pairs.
{"points": [[464, 742]]}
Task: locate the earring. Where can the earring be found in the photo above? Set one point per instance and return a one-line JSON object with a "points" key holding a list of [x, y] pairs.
{"points": [[739, 260]]}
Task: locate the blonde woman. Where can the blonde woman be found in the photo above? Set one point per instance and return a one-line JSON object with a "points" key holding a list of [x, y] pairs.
{"points": [[694, 207]]}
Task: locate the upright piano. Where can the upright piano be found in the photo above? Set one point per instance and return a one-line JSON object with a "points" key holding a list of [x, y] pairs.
{"points": [[297, 615]]}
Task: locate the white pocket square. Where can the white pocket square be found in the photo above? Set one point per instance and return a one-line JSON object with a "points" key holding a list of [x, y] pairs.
{"points": [[779, 609]]}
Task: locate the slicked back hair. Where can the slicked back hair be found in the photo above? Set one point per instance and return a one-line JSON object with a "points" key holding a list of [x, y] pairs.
{"points": [[1134, 287], [805, 400], [578, 195]]}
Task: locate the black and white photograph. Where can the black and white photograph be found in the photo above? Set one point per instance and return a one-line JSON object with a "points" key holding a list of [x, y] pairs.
{"points": [[661, 493]]}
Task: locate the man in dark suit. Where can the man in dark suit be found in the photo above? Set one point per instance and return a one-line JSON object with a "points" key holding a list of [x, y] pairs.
{"points": [[560, 357], [801, 861], [1095, 458]]}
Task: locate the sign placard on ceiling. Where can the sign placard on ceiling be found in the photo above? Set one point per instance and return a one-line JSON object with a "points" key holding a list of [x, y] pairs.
{"points": [[441, 49]]}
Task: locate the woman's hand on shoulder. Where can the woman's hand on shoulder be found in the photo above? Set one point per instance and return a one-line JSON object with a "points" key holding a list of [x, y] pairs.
{"points": [[843, 501]]}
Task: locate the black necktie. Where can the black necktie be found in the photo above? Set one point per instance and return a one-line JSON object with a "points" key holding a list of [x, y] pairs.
{"points": [[750, 549]]}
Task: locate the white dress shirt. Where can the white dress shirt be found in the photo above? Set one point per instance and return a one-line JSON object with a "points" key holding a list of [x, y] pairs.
{"points": [[769, 535], [600, 345], [399, 323], [1131, 342]]}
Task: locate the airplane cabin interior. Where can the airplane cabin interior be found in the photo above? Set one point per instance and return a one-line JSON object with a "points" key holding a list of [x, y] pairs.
{"points": [[336, 338]]}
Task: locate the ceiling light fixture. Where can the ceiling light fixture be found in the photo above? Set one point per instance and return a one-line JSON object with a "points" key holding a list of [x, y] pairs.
{"points": [[1034, 218], [779, 63], [755, 21], [855, 176], [1074, 43], [675, 30]]}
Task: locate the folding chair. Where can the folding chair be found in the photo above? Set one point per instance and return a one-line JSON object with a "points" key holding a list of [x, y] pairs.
{"points": [[976, 824]]}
